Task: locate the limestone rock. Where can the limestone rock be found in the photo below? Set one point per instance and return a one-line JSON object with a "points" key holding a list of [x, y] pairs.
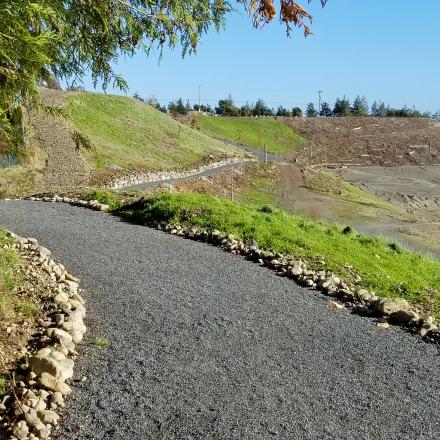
{"points": [[21, 430], [387, 306], [40, 365], [48, 416], [57, 398], [403, 317], [59, 335], [50, 382]]}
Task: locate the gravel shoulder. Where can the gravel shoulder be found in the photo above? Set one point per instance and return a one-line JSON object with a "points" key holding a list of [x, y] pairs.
{"points": [[204, 344]]}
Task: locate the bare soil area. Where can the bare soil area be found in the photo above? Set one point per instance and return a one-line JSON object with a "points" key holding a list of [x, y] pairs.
{"points": [[414, 187], [367, 141]]}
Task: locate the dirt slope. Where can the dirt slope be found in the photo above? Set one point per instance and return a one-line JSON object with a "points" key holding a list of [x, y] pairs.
{"points": [[368, 141], [65, 167]]}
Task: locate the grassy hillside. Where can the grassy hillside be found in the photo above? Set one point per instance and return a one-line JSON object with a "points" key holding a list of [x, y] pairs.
{"points": [[130, 134], [255, 132], [384, 267]]}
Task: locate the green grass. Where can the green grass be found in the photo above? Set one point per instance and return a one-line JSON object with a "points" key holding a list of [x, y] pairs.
{"points": [[254, 132], [5, 385], [10, 305], [384, 267], [263, 191], [106, 196], [130, 134], [262, 187], [100, 342]]}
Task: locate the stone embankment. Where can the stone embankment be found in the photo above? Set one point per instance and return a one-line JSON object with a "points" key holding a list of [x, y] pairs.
{"points": [[39, 388], [142, 178]]}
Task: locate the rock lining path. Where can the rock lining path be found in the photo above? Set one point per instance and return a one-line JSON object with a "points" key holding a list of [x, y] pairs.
{"points": [[206, 345]]}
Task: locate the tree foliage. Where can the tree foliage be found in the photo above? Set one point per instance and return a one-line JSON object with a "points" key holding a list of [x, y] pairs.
{"points": [[342, 107], [261, 109], [227, 107], [291, 13], [178, 107], [68, 38], [311, 111], [297, 112], [360, 106], [326, 111]]}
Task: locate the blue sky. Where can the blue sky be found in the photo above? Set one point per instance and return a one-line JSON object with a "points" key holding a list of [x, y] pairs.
{"points": [[383, 49]]}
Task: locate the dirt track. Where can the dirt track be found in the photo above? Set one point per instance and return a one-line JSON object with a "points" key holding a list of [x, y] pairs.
{"points": [[368, 141]]}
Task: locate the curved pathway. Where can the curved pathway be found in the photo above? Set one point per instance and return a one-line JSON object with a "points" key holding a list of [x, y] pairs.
{"points": [[258, 154], [207, 345], [192, 174]]}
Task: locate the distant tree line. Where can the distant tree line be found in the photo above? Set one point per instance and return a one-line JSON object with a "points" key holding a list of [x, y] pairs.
{"points": [[342, 107], [226, 107], [360, 107]]}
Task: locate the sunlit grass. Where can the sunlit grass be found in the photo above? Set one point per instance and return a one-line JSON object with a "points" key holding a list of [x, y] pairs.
{"points": [[131, 134], [259, 133]]}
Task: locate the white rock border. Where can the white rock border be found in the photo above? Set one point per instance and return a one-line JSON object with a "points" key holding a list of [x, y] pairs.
{"points": [[140, 178], [29, 412], [92, 204]]}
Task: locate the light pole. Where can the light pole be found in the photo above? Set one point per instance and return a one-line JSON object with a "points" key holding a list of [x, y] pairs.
{"points": [[319, 101], [199, 96]]}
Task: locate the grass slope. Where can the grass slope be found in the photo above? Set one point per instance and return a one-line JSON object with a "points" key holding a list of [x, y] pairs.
{"points": [[384, 267], [254, 132], [133, 135]]}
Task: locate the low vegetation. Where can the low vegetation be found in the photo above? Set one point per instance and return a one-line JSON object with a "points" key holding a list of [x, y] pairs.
{"points": [[12, 308], [24, 172], [259, 133], [105, 196], [261, 186], [383, 266], [10, 304], [126, 133]]}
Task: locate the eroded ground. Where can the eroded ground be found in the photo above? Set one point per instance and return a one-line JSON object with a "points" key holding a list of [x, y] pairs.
{"points": [[368, 141], [415, 189]]}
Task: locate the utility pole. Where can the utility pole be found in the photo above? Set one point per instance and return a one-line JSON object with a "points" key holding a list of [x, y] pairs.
{"points": [[232, 184], [199, 96], [319, 101]]}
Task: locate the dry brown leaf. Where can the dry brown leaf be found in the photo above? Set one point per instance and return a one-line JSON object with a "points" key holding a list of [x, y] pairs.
{"points": [[383, 325], [335, 305]]}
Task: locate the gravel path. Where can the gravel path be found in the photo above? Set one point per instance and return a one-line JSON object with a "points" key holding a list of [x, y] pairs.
{"points": [[211, 172], [257, 152], [206, 345], [205, 173]]}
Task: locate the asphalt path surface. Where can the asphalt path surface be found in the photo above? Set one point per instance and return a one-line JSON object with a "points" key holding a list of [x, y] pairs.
{"points": [[207, 345]]}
